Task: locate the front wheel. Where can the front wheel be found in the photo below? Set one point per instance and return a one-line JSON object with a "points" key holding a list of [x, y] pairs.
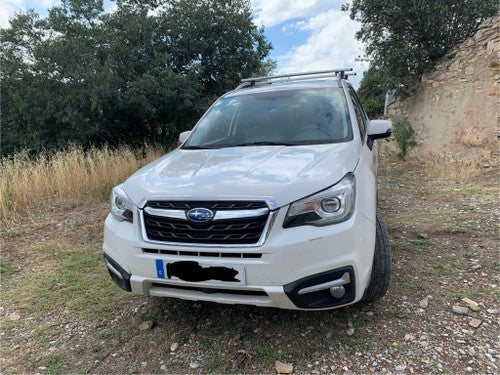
{"points": [[381, 268]]}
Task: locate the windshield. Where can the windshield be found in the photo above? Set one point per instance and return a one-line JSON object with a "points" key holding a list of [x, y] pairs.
{"points": [[287, 117]]}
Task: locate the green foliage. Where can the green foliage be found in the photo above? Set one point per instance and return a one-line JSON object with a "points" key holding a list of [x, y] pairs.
{"points": [[5, 268], [371, 93], [404, 135], [54, 363], [144, 72], [210, 35], [401, 313], [405, 38]]}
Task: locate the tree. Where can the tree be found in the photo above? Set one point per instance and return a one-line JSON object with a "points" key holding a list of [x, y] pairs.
{"points": [[216, 38], [405, 38], [143, 72], [371, 92]]}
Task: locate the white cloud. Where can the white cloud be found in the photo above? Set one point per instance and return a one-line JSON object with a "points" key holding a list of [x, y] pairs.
{"points": [[273, 12], [8, 8], [330, 44]]}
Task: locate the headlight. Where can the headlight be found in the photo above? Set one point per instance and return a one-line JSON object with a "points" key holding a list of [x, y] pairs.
{"points": [[330, 206], [121, 205]]}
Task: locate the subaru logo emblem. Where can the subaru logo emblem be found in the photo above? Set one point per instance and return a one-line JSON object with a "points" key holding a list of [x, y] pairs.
{"points": [[200, 215]]}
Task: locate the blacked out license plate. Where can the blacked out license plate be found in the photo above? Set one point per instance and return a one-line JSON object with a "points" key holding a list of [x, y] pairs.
{"points": [[193, 271]]}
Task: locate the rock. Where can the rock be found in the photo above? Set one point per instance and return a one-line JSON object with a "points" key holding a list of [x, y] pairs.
{"points": [[475, 322], [235, 340], [469, 71], [425, 302], [475, 267], [493, 90], [283, 368], [14, 316], [145, 326], [409, 337], [194, 364], [474, 306], [490, 357], [400, 367], [494, 63], [460, 310], [174, 347], [350, 332]]}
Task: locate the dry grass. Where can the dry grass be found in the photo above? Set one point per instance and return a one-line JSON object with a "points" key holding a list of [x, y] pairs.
{"points": [[454, 170], [72, 175], [442, 167]]}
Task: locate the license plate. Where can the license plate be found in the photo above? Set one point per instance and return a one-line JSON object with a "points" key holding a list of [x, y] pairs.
{"points": [[193, 271]]}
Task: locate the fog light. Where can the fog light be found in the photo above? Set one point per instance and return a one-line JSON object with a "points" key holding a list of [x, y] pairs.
{"points": [[337, 291]]}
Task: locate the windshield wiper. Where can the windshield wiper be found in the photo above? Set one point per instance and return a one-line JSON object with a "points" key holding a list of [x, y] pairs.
{"points": [[263, 143], [199, 147], [223, 145]]}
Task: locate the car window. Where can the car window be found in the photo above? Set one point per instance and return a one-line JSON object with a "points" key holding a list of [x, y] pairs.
{"points": [[216, 124], [296, 116], [361, 117]]}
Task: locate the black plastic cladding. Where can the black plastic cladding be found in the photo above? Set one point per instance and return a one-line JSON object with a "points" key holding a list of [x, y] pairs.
{"points": [[124, 282], [323, 298]]}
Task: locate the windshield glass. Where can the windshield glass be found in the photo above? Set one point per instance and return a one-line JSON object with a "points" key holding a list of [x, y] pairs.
{"points": [[286, 117]]}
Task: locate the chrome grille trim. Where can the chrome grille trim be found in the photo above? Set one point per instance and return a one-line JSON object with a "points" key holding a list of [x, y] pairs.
{"points": [[219, 215]]}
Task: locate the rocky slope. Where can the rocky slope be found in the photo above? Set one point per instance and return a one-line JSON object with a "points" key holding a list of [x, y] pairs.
{"points": [[454, 110]]}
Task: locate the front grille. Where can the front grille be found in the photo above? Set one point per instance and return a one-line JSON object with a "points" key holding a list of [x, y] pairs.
{"points": [[233, 231]]}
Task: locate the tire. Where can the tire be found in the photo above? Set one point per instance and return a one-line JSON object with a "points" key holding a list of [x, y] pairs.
{"points": [[381, 268]]}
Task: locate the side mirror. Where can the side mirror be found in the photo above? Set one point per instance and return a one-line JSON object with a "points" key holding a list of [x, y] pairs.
{"points": [[377, 129], [183, 136]]}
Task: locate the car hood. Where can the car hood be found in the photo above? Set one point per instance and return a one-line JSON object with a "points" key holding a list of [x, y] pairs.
{"points": [[277, 174]]}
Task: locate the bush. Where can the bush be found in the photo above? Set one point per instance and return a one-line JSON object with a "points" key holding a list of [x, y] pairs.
{"points": [[405, 136]]}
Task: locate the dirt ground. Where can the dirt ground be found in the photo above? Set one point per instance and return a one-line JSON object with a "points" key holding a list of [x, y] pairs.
{"points": [[60, 312]]}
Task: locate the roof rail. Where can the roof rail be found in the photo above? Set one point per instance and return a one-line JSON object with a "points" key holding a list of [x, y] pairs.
{"points": [[342, 73]]}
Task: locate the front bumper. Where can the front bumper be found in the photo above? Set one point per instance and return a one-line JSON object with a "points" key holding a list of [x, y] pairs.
{"points": [[284, 272]]}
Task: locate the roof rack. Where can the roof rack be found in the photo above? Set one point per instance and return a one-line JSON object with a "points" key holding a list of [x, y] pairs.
{"points": [[342, 73]]}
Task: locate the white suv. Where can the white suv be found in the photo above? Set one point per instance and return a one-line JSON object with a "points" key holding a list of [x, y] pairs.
{"points": [[270, 200]]}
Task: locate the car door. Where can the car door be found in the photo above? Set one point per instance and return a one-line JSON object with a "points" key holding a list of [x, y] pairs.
{"points": [[366, 171]]}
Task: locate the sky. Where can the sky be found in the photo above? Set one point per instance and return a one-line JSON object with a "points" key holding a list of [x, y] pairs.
{"points": [[306, 35]]}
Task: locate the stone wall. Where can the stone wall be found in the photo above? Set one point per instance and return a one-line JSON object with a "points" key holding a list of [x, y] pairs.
{"points": [[455, 109]]}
